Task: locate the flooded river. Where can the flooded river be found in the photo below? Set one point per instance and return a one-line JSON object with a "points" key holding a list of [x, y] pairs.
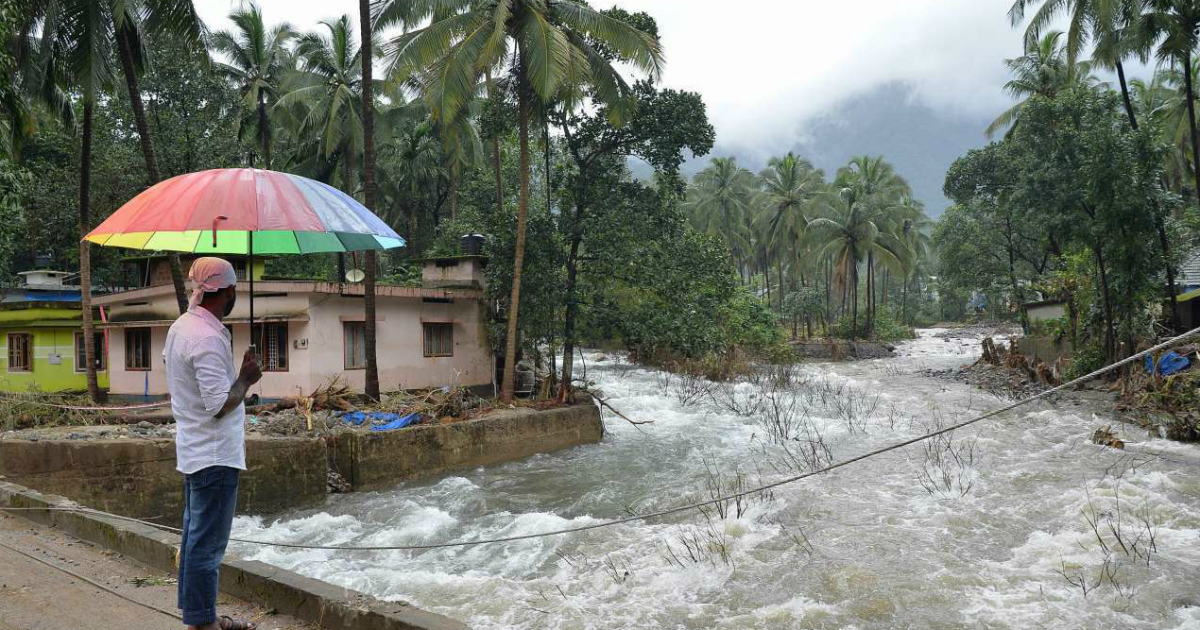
{"points": [[1015, 522]]}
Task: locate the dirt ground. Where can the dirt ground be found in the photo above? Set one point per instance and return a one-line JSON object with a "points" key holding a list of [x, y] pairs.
{"points": [[34, 596]]}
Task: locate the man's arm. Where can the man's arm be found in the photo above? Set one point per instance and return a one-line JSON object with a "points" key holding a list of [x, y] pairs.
{"points": [[218, 394], [247, 376]]}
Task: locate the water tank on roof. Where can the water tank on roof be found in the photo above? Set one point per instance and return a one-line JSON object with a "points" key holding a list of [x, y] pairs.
{"points": [[471, 244]]}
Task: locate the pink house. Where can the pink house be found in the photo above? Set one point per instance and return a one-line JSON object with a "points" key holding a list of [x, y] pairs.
{"points": [[312, 332]]}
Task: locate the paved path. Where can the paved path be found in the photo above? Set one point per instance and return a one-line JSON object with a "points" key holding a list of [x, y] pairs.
{"points": [[34, 596]]}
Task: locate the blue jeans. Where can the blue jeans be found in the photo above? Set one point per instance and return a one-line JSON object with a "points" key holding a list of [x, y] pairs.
{"points": [[209, 498]]}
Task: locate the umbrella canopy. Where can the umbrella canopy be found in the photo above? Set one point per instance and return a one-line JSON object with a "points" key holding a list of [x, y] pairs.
{"points": [[216, 211]]}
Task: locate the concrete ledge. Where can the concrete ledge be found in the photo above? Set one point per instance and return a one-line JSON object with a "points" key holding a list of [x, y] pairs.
{"points": [[371, 461], [315, 601], [138, 477]]}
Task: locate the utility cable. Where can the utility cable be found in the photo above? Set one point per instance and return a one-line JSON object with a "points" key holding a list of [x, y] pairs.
{"points": [[691, 506], [94, 583]]}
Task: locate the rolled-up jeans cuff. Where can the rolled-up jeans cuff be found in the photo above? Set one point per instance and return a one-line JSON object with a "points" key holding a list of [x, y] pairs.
{"points": [[199, 617]]}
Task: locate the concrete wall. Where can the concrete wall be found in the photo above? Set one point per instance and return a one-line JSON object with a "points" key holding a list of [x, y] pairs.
{"points": [[371, 461], [1042, 312], [454, 272], [400, 340], [1044, 348], [138, 477]]}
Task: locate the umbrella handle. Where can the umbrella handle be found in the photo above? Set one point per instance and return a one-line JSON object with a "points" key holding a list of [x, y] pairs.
{"points": [[250, 275], [214, 230]]}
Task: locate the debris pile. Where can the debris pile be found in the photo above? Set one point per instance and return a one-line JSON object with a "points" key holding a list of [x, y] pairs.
{"points": [[1164, 396]]}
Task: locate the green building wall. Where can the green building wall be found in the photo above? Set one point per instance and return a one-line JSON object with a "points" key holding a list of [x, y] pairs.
{"points": [[45, 376]]}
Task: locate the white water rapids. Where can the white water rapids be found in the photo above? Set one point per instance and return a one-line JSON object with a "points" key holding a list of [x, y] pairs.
{"points": [[997, 538]]}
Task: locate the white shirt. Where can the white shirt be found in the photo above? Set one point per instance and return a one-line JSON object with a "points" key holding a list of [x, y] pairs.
{"points": [[200, 373]]}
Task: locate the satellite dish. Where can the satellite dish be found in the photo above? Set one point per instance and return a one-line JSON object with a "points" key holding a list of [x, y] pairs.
{"points": [[355, 275]]}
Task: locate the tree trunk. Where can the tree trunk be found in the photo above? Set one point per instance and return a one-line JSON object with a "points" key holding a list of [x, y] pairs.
{"points": [[265, 136], [1191, 107], [870, 294], [568, 364], [147, 144], [1109, 340], [1125, 96], [452, 195], [368, 178], [412, 213], [1164, 243], [854, 304], [767, 281], [85, 255], [904, 301], [496, 156], [514, 302]]}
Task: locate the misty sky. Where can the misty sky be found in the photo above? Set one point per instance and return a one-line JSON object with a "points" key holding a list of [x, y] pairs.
{"points": [[766, 67]]}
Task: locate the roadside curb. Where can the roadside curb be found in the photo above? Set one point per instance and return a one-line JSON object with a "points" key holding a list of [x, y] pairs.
{"points": [[324, 604]]}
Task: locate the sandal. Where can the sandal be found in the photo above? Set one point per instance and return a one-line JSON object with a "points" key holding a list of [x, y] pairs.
{"points": [[229, 623]]}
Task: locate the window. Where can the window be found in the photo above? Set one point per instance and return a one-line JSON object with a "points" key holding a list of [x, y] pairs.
{"points": [[271, 339], [20, 352], [137, 349], [355, 344], [99, 348], [439, 340]]}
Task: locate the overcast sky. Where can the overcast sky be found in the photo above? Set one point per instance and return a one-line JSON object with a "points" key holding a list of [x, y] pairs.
{"points": [[765, 66]]}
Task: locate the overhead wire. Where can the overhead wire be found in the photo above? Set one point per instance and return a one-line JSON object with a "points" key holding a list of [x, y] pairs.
{"points": [[690, 506]]}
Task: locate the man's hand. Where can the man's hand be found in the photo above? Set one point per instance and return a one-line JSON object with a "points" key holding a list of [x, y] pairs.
{"points": [[251, 372], [247, 376]]}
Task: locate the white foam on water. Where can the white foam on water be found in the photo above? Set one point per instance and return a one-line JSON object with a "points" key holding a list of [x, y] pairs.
{"points": [[863, 547]]}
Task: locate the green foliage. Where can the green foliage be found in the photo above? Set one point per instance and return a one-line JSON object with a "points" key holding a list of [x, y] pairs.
{"points": [[14, 180], [888, 328], [1073, 188]]}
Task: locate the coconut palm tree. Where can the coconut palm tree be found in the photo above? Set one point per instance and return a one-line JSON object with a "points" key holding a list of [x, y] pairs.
{"points": [[132, 21], [550, 48], [325, 97], [37, 77], [1111, 25], [854, 221], [788, 187], [256, 65], [413, 158], [1174, 25], [881, 189], [1043, 70], [370, 195], [81, 33], [720, 201]]}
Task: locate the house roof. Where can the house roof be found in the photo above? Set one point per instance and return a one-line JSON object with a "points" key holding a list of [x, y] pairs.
{"points": [[24, 296], [1044, 303], [1190, 295]]}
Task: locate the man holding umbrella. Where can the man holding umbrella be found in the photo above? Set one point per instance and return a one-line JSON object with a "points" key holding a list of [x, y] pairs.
{"points": [[207, 400]]}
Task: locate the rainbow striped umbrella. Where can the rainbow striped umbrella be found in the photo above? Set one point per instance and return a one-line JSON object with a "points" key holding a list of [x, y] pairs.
{"points": [[244, 211]]}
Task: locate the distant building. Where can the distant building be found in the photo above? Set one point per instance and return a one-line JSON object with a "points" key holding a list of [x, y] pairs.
{"points": [[312, 332], [1045, 310], [1189, 272], [41, 332]]}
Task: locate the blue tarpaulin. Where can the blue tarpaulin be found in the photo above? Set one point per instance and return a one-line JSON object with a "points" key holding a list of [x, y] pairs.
{"points": [[388, 419], [1168, 364]]}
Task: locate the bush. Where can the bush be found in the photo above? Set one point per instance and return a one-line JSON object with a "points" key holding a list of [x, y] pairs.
{"points": [[886, 327]]}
